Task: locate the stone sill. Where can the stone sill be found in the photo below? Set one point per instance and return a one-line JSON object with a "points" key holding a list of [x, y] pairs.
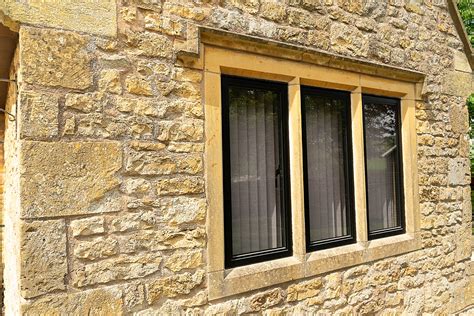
{"points": [[238, 280]]}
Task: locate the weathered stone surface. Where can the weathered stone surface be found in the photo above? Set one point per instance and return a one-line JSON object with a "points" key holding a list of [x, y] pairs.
{"points": [[184, 260], [46, 57], [457, 117], [97, 248], [198, 300], [458, 83], [138, 85], [81, 15], [185, 11], [173, 286], [164, 239], [180, 186], [266, 299], [147, 146], [133, 295], [139, 107], [103, 301], [43, 264], [89, 102], [185, 147], [69, 178], [190, 75], [163, 24], [136, 186], [39, 115], [123, 267], [458, 171], [151, 44], [87, 226], [250, 6], [192, 130], [348, 40], [161, 163], [182, 210], [304, 290], [273, 11], [69, 125], [460, 62], [109, 80], [133, 221]]}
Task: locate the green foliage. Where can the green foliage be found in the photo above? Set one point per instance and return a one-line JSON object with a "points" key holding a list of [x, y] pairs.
{"points": [[470, 107], [466, 8]]}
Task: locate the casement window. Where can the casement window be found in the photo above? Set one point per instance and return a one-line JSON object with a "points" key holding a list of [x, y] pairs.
{"points": [[383, 166], [309, 169], [327, 161], [256, 168], [255, 156]]}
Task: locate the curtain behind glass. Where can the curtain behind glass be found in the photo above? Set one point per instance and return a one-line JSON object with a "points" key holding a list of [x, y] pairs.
{"points": [[325, 136], [254, 135], [382, 152]]}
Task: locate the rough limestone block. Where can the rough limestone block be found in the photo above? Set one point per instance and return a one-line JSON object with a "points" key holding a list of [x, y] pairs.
{"points": [[458, 171], [59, 179], [79, 15], [104, 301], [459, 118], [161, 163], [460, 62], [39, 115], [120, 268], [87, 226], [457, 83], [43, 257], [180, 186], [184, 260], [55, 58], [98, 248], [173, 286]]}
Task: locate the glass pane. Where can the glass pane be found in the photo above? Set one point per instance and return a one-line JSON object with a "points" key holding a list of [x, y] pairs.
{"points": [[382, 163], [256, 170], [325, 128]]}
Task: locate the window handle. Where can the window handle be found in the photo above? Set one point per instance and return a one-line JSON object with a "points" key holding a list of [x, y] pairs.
{"points": [[277, 177]]}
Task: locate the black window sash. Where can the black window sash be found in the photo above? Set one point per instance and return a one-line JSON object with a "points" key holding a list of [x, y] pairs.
{"points": [[348, 172], [284, 177], [400, 229]]}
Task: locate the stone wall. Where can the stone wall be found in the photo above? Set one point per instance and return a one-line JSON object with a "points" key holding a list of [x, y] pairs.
{"points": [[106, 207]]}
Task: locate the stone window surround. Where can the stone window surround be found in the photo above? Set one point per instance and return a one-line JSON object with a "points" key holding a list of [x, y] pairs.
{"points": [[218, 60]]}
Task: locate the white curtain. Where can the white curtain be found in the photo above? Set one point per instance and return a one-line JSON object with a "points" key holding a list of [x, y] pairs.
{"points": [[255, 160], [324, 117]]}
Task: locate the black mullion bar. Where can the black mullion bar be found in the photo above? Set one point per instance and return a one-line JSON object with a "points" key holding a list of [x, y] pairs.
{"points": [[400, 229], [348, 174], [232, 260]]}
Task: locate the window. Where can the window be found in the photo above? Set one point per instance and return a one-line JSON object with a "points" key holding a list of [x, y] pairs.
{"points": [[383, 166], [255, 155], [314, 138], [327, 169]]}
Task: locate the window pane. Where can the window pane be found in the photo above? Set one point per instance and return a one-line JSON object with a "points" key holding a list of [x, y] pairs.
{"points": [[381, 132], [326, 135], [257, 192]]}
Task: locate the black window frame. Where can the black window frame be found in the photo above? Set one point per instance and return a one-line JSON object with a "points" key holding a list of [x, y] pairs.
{"points": [[231, 261], [348, 171], [401, 229]]}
